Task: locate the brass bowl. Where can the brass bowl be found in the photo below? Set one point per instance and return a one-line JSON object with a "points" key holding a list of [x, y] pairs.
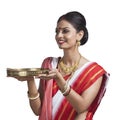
{"points": [[24, 72]]}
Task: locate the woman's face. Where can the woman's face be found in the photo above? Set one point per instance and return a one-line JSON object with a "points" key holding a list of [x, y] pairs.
{"points": [[66, 35]]}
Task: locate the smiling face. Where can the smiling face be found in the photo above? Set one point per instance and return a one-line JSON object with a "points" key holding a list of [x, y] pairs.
{"points": [[66, 35]]}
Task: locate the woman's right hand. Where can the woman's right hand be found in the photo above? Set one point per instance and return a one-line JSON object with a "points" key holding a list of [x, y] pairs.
{"points": [[28, 78]]}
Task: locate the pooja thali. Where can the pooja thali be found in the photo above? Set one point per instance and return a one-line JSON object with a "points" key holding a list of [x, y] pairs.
{"points": [[24, 72]]}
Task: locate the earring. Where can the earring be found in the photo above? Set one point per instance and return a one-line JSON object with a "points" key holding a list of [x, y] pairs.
{"points": [[78, 42]]}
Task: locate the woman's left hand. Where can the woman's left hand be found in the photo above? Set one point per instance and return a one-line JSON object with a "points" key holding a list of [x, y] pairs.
{"points": [[53, 74]]}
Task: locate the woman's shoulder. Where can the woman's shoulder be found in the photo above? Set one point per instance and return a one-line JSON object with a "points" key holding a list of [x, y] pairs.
{"points": [[85, 61]]}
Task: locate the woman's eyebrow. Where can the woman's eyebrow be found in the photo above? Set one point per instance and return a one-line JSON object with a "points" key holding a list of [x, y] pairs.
{"points": [[62, 28]]}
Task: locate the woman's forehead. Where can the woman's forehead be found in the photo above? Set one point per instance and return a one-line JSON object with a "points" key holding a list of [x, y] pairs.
{"points": [[63, 24]]}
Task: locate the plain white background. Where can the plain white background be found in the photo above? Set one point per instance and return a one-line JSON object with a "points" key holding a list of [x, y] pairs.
{"points": [[27, 29]]}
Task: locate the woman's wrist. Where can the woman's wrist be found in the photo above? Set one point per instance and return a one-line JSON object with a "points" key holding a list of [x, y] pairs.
{"points": [[66, 89], [32, 87], [33, 96], [61, 83], [30, 79]]}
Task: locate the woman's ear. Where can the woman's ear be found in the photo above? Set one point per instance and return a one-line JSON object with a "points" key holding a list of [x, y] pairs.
{"points": [[80, 35]]}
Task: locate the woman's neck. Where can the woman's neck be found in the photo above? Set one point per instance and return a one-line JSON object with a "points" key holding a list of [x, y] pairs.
{"points": [[71, 57]]}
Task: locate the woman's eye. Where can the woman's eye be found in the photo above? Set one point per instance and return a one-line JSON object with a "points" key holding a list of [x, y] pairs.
{"points": [[62, 31], [56, 31], [65, 31]]}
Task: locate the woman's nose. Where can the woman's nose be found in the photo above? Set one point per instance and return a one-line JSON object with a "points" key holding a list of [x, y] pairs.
{"points": [[59, 35]]}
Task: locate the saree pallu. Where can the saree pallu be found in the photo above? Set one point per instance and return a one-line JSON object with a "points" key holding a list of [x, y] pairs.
{"points": [[57, 107]]}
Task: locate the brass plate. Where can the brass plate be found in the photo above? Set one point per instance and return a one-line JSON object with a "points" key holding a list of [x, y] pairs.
{"points": [[24, 72]]}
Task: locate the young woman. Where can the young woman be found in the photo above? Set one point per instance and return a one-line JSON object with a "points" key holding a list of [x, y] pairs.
{"points": [[74, 86]]}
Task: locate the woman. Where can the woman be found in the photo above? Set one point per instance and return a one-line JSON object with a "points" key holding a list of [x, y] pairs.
{"points": [[74, 86]]}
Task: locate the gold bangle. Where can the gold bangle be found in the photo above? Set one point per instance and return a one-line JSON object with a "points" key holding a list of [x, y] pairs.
{"points": [[67, 91], [64, 87], [33, 97]]}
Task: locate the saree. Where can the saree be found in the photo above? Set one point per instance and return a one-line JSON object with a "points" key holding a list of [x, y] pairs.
{"points": [[55, 106]]}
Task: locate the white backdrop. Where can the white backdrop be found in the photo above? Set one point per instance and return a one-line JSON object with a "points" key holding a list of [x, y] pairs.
{"points": [[27, 29]]}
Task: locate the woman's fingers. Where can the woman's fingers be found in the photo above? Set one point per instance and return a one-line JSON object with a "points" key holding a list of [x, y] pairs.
{"points": [[24, 78], [53, 74]]}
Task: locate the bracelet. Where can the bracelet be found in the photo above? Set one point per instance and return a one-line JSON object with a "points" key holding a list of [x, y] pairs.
{"points": [[67, 91], [33, 97], [64, 87]]}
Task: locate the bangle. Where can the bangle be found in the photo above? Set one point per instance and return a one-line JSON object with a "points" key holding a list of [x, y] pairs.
{"points": [[67, 91], [64, 87], [33, 97]]}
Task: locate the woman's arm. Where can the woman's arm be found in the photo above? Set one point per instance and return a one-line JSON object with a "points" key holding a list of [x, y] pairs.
{"points": [[83, 101], [79, 102], [33, 93], [35, 103]]}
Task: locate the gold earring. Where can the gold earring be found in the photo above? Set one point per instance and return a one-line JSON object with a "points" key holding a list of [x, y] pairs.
{"points": [[78, 42]]}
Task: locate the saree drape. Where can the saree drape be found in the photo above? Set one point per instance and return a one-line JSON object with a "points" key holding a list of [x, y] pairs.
{"points": [[56, 107]]}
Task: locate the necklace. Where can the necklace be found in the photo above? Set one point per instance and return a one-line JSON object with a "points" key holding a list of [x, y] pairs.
{"points": [[69, 69]]}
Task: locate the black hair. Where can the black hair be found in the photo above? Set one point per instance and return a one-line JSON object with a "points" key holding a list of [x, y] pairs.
{"points": [[79, 23]]}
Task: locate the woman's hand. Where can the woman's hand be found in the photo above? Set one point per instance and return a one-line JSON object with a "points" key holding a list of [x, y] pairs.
{"points": [[53, 74], [24, 78]]}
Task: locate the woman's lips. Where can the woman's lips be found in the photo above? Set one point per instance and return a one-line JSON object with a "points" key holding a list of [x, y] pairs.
{"points": [[61, 41]]}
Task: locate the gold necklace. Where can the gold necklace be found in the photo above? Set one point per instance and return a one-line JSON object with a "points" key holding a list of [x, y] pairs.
{"points": [[69, 69]]}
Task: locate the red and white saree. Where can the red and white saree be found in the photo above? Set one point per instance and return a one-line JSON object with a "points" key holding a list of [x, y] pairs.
{"points": [[54, 104]]}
